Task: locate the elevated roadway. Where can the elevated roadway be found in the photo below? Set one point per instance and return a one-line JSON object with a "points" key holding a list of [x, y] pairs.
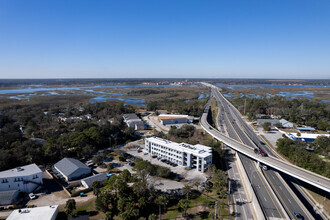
{"points": [[285, 167]]}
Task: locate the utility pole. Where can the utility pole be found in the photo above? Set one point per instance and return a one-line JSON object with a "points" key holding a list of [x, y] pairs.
{"points": [[215, 210]]}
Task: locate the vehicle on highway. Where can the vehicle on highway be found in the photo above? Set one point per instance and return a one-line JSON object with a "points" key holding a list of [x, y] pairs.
{"points": [[32, 196], [264, 167], [261, 152], [298, 216]]}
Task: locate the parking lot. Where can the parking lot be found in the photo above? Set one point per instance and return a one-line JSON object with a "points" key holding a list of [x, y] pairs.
{"points": [[190, 176]]}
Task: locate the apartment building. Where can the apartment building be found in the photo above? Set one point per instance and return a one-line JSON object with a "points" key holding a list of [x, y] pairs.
{"points": [[192, 156], [26, 178]]}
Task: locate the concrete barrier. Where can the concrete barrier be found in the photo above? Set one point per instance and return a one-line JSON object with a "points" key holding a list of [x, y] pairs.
{"points": [[259, 214]]}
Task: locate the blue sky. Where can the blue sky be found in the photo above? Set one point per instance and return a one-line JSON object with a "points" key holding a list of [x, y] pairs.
{"points": [[165, 38]]}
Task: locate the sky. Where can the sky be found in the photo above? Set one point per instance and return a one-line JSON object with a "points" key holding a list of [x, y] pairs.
{"points": [[165, 38]]}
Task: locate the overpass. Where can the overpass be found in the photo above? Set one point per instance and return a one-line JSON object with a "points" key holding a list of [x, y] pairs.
{"points": [[285, 167]]}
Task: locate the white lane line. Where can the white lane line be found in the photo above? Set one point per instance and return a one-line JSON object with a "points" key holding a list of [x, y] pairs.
{"points": [[265, 199], [280, 187], [289, 201]]}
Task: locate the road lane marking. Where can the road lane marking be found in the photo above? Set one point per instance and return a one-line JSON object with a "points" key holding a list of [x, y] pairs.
{"points": [[266, 189], [280, 197]]}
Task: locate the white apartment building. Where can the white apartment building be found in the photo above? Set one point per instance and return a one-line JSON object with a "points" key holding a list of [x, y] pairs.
{"points": [[192, 156], [25, 178]]}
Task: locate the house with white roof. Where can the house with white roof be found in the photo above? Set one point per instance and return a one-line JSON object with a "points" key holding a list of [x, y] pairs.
{"points": [[192, 156], [26, 178]]}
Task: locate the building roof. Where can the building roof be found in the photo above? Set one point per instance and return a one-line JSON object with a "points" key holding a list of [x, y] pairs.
{"points": [[69, 165], [26, 170], [198, 149], [98, 177], [170, 116], [305, 128], [285, 123], [130, 116], [272, 121], [44, 212], [7, 195]]}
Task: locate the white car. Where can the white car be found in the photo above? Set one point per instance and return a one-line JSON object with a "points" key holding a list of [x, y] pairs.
{"points": [[32, 196]]}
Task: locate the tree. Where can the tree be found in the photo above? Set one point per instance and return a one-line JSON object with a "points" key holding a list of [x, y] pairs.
{"points": [[187, 189], [110, 167], [143, 169], [162, 200], [108, 216], [152, 217], [70, 206], [266, 126], [208, 190], [184, 205], [196, 184], [96, 188]]}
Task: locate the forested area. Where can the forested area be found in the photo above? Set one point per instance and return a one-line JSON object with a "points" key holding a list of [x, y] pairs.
{"points": [[22, 127], [297, 153], [192, 107], [300, 111]]}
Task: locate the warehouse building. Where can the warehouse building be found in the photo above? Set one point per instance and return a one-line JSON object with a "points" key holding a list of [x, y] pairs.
{"points": [[72, 169], [192, 156], [167, 119]]}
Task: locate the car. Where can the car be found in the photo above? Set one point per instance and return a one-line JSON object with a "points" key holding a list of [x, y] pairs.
{"points": [[297, 215], [139, 151], [264, 167], [90, 163], [145, 153], [264, 154], [153, 156], [32, 196], [256, 150]]}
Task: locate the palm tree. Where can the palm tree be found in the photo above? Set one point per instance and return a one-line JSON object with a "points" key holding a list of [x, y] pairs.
{"points": [[162, 200], [184, 205], [187, 189]]}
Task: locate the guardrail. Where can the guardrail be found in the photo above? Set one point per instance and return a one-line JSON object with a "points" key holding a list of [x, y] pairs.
{"points": [[314, 179]]}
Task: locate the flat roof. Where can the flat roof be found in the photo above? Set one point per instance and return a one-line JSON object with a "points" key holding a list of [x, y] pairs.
{"points": [[44, 213], [173, 116], [198, 149], [306, 128], [26, 170]]}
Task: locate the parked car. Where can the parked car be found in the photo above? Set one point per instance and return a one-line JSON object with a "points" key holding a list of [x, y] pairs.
{"points": [[32, 196], [90, 163]]}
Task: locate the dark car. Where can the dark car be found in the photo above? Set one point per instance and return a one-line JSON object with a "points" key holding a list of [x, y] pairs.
{"points": [[298, 216], [256, 150]]}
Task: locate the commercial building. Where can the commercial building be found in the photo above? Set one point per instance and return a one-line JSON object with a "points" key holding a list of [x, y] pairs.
{"points": [[192, 156], [133, 121], [72, 169], [43, 212], [271, 121], [167, 119], [286, 124], [26, 178], [88, 181]]}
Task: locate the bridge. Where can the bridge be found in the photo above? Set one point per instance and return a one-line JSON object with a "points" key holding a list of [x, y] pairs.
{"points": [[277, 164]]}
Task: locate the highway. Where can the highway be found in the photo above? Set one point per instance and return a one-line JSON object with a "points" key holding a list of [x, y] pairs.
{"points": [[266, 199], [283, 166], [248, 137]]}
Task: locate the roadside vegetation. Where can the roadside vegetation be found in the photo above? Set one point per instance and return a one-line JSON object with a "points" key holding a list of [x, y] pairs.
{"points": [[300, 111], [297, 152]]}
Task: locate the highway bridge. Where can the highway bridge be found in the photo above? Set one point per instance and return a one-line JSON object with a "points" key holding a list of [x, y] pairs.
{"points": [[283, 166]]}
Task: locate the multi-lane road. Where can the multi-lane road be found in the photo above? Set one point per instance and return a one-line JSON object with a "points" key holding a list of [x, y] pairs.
{"points": [[243, 139], [248, 137]]}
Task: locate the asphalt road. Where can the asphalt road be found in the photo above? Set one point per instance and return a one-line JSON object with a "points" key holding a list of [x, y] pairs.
{"points": [[248, 137], [266, 199]]}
